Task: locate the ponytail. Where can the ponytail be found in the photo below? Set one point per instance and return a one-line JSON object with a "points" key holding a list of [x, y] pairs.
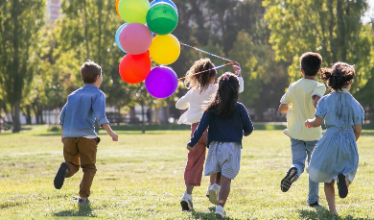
{"points": [[339, 75]]}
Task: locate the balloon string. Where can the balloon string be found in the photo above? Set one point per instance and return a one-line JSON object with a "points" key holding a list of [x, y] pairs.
{"points": [[203, 51], [215, 68]]}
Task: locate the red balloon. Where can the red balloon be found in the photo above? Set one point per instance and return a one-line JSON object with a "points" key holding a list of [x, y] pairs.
{"points": [[135, 68]]}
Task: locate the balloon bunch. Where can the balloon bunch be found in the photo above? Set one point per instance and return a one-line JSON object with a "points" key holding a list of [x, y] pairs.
{"points": [[145, 35]]}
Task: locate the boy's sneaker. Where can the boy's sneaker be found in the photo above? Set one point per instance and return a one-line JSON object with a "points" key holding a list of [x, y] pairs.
{"points": [[207, 191], [213, 193], [288, 179], [186, 202], [220, 214], [342, 186], [83, 202], [315, 205], [60, 175]]}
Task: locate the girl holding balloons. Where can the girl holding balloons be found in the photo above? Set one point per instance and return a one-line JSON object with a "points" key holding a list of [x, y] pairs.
{"points": [[201, 88]]}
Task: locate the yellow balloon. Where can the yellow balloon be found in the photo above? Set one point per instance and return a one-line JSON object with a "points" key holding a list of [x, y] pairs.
{"points": [[165, 49]]}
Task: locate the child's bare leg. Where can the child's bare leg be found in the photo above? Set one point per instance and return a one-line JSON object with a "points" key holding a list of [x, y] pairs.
{"points": [[218, 178], [225, 190], [213, 179], [330, 197], [189, 189]]}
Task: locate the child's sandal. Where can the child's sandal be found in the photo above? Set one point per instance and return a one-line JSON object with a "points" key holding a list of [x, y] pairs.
{"points": [[342, 186]]}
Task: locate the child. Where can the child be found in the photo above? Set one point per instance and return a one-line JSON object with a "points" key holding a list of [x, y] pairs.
{"points": [[201, 87], [77, 121], [299, 103], [336, 154], [228, 120]]}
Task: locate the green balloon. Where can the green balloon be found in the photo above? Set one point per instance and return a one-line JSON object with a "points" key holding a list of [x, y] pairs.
{"points": [[133, 11], [162, 18]]}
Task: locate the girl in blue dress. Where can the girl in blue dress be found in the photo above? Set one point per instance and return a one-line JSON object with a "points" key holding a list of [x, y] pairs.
{"points": [[335, 156]]}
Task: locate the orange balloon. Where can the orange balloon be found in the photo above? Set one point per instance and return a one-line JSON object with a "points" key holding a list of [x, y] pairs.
{"points": [[117, 2], [135, 68]]}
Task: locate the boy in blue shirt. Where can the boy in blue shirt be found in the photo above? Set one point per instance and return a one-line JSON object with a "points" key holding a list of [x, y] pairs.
{"points": [[77, 121]]}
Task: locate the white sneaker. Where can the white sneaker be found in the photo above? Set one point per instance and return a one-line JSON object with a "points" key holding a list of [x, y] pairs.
{"points": [[186, 202], [220, 214], [207, 191], [213, 193]]}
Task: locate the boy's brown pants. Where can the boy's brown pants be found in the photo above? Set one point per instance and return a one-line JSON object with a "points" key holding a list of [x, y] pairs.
{"points": [[85, 150]]}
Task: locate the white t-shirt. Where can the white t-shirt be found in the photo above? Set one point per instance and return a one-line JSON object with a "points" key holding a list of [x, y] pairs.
{"points": [[196, 102]]}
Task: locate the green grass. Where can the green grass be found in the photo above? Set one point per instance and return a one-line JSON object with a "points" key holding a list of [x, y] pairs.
{"points": [[141, 177]]}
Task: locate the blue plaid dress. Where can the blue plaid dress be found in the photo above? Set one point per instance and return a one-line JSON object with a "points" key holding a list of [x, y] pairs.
{"points": [[336, 152]]}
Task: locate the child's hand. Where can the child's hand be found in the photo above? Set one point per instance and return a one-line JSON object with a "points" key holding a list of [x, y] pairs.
{"points": [[114, 136], [236, 67], [189, 148], [307, 124]]}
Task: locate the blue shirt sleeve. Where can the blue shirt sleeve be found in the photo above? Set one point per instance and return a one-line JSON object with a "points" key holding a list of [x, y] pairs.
{"points": [[203, 125], [62, 115], [358, 114], [247, 123], [321, 109], [98, 107]]}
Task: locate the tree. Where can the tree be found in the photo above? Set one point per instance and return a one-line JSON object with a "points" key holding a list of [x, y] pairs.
{"points": [[331, 28], [20, 22]]}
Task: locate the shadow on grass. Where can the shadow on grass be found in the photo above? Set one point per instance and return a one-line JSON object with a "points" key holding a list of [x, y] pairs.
{"points": [[208, 215], [322, 213], [83, 210]]}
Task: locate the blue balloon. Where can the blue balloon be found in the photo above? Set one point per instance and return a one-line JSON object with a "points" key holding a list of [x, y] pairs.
{"points": [[117, 36], [166, 1]]}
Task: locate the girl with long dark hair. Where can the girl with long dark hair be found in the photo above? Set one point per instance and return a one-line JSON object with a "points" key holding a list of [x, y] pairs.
{"points": [[200, 80], [228, 121]]}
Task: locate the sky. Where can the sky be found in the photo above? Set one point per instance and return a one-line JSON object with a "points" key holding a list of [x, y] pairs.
{"points": [[370, 12]]}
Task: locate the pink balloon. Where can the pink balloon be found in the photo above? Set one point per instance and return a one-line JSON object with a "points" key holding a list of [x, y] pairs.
{"points": [[135, 38]]}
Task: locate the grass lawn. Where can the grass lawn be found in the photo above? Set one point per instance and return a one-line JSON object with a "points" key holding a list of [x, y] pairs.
{"points": [[141, 177]]}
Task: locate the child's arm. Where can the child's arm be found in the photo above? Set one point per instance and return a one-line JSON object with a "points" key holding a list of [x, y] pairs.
{"points": [[316, 98], [62, 137], [98, 107], [313, 123], [285, 103], [238, 72], [61, 122], [183, 102], [110, 132], [283, 108], [203, 125], [318, 92], [357, 130], [247, 123]]}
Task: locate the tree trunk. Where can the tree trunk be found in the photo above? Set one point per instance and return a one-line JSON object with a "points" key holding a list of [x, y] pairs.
{"points": [[118, 116], [99, 16], [15, 117], [143, 127], [166, 114], [28, 115], [41, 115], [132, 115], [157, 112], [86, 29]]}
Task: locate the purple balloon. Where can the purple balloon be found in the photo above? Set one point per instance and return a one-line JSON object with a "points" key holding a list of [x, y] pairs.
{"points": [[161, 82]]}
